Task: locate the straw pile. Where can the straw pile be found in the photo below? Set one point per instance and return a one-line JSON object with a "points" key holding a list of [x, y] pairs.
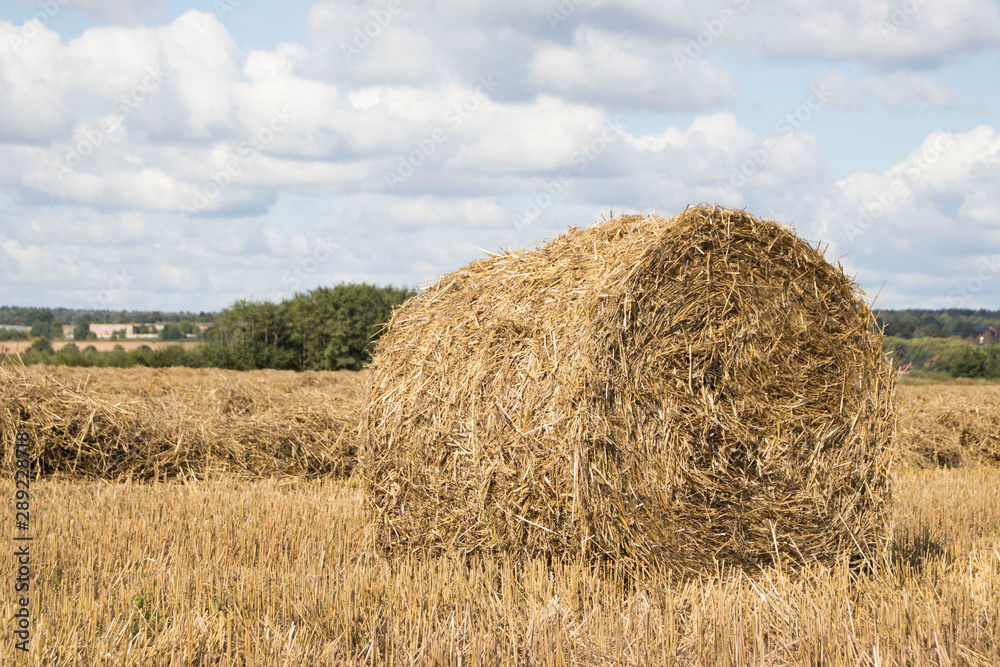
{"points": [[949, 426], [658, 392], [141, 422]]}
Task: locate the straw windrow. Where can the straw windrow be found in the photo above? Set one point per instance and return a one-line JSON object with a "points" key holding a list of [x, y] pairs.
{"points": [[682, 392], [142, 423]]}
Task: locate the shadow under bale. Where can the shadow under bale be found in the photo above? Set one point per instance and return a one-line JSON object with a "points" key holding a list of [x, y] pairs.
{"points": [[663, 392]]}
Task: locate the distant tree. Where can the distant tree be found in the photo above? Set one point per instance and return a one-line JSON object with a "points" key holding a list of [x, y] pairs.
{"points": [[253, 335], [69, 355], [969, 363], [42, 344], [170, 332], [333, 328], [82, 328], [41, 327]]}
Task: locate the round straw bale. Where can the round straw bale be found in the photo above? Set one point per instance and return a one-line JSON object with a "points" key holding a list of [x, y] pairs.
{"points": [[701, 389]]}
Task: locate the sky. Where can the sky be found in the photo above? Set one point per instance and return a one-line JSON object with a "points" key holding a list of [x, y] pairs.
{"points": [[166, 155]]}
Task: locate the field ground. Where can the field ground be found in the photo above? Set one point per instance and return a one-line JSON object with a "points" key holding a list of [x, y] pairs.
{"points": [[19, 346], [275, 570]]}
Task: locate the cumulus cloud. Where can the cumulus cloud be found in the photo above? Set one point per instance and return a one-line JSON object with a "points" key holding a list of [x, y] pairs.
{"points": [[898, 92], [621, 72], [937, 208], [881, 33]]}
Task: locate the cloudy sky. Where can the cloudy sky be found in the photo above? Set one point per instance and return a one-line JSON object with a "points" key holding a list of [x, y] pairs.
{"points": [[157, 154]]}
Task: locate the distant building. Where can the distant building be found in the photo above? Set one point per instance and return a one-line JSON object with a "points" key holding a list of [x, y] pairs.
{"points": [[985, 334], [104, 331]]}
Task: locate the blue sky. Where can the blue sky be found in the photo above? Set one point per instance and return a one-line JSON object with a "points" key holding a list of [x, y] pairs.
{"points": [[172, 155]]}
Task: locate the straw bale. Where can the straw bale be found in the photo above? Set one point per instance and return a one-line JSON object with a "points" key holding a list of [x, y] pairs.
{"points": [[143, 422], [655, 391]]}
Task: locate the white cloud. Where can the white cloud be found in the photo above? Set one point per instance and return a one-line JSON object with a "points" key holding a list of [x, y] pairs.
{"points": [[33, 104], [907, 91], [879, 33], [936, 209], [719, 131], [365, 42], [844, 94], [126, 12], [898, 92], [627, 72]]}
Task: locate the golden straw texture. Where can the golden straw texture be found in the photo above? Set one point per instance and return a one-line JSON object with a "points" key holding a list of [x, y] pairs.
{"points": [[682, 392], [142, 423]]}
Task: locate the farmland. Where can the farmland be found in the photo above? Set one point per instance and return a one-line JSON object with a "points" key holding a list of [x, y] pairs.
{"points": [[255, 554], [20, 346]]}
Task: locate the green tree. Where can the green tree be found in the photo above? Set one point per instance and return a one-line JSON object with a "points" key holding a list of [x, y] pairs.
{"points": [[69, 355], [82, 328], [253, 335], [333, 328], [12, 334], [969, 363], [170, 332], [41, 327], [42, 344]]}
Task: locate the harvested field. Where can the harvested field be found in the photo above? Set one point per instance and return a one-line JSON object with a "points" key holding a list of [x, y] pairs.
{"points": [[939, 425], [20, 346], [142, 423], [950, 425], [681, 393], [275, 572]]}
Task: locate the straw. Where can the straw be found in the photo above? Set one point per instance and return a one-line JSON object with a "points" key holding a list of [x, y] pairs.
{"points": [[676, 392]]}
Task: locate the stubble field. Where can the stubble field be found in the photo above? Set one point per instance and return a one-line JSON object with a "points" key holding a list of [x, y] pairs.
{"points": [[156, 551]]}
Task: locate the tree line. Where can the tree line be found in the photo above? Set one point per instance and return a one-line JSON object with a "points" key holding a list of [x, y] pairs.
{"points": [[916, 323], [28, 316], [334, 328], [328, 328], [952, 356]]}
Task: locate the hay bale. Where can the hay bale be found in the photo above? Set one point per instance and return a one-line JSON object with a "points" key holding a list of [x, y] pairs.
{"points": [[653, 391]]}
